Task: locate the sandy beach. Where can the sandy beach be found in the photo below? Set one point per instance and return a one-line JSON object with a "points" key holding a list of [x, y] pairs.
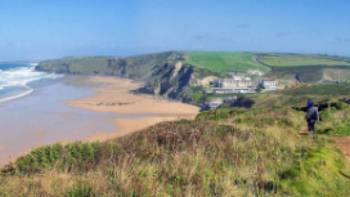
{"points": [[114, 95], [80, 109]]}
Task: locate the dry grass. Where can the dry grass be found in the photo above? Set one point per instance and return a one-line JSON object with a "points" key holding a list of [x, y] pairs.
{"points": [[222, 153]]}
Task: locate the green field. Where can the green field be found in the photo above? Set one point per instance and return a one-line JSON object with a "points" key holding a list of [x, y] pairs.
{"points": [[301, 60], [322, 89], [223, 62]]}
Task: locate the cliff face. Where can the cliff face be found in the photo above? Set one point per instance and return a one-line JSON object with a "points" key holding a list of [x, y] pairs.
{"points": [[164, 74], [312, 74], [170, 80], [135, 67]]}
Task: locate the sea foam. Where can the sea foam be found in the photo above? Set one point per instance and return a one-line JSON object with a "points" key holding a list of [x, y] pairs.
{"points": [[21, 77]]}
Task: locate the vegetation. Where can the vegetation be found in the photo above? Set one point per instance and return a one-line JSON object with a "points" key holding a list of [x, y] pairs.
{"points": [[135, 67], [330, 98], [341, 89], [291, 60], [205, 61], [335, 121], [306, 68], [297, 96], [258, 151], [153, 68], [226, 152], [223, 62]]}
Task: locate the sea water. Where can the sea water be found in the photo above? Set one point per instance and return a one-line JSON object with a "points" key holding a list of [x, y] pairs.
{"points": [[15, 80], [34, 110]]}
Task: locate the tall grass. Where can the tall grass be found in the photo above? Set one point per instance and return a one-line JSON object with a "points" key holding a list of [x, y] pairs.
{"points": [[228, 152]]}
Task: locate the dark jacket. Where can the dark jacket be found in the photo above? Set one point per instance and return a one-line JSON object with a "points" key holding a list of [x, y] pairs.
{"points": [[312, 114]]}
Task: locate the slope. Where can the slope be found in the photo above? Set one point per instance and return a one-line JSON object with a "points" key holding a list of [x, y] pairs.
{"points": [[227, 152]]}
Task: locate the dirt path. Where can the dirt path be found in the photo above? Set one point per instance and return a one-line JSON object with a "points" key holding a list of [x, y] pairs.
{"points": [[343, 143]]}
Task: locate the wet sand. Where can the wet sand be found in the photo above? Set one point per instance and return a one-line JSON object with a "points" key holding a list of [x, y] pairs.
{"points": [[43, 118], [80, 109], [114, 95]]}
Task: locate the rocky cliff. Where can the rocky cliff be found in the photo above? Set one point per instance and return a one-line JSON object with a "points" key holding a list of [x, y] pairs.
{"points": [[164, 74], [170, 80]]}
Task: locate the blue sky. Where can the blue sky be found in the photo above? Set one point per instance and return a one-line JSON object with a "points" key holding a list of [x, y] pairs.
{"points": [[40, 29]]}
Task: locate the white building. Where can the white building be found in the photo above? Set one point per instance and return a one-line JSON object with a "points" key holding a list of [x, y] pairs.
{"points": [[270, 84], [235, 84], [215, 103]]}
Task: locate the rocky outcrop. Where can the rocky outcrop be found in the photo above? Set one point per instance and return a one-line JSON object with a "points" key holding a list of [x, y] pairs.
{"points": [[170, 80], [134, 67], [164, 74]]}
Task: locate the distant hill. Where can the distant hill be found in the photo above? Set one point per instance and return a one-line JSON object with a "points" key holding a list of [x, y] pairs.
{"points": [[307, 68], [140, 67], [295, 60], [223, 62], [176, 74], [134, 67], [219, 63]]}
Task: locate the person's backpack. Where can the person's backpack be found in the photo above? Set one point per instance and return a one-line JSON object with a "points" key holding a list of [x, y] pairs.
{"points": [[314, 114]]}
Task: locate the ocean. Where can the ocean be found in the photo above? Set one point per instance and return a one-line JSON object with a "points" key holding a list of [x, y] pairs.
{"points": [[34, 110], [16, 80]]}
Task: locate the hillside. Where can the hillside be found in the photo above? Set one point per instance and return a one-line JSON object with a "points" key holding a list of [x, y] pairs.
{"points": [[256, 151], [308, 68], [178, 75], [223, 62], [140, 67], [291, 60], [227, 152], [134, 67]]}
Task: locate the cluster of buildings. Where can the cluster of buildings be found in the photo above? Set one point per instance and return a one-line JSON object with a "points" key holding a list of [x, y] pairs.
{"points": [[235, 84], [239, 83], [269, 84]]}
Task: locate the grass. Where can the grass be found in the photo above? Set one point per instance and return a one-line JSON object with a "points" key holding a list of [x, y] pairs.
{"points": [[335, 112], [289, 60], [342, 89], [226, 152], [317, 167], [297, 97], [223, 62], [335, 121], [135, 67], [308, 68]]}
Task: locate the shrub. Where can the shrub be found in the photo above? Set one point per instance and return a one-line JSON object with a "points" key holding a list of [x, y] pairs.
{"points": [[80, 190]]}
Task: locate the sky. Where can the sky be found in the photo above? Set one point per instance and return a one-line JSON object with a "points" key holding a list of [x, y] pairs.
{"points": [[44, 29]]}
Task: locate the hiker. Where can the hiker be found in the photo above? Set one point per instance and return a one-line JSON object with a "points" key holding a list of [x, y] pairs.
{"points": [[312, 115]]}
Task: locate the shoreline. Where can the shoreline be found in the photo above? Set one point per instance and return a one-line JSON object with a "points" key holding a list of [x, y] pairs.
{"points": [[82, 109], [28, 91], [114, 95], [46, 119]]}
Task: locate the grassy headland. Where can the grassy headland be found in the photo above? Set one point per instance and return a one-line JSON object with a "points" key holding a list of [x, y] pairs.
{"points": [[291, 60], [226, 152], [216, 62], [176, 74], [223, 62]]}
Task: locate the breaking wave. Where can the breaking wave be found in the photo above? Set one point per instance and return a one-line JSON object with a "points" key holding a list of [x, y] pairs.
{"points": [[21, 77]]}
